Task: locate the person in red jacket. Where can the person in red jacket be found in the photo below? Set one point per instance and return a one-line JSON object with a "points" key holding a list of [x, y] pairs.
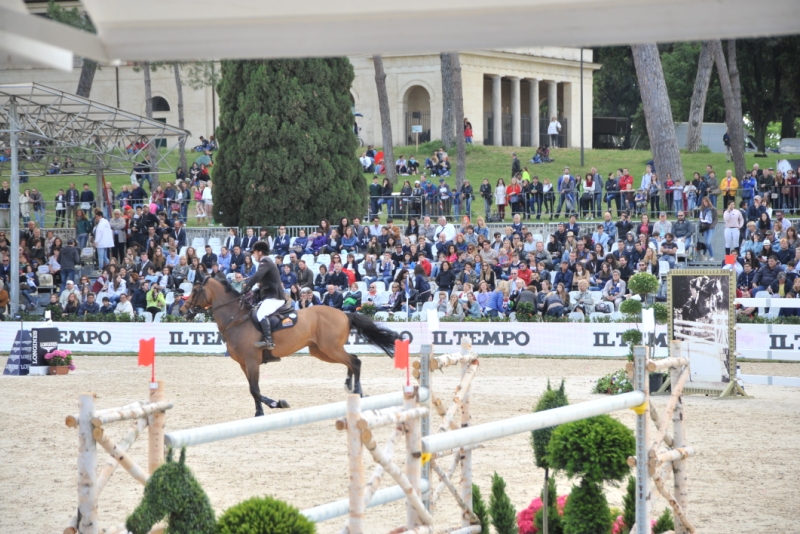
{"points": [[625, 179]]}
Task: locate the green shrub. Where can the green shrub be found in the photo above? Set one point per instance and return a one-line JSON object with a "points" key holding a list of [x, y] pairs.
{"points": [[504, 517], [554, 520], [586, 511], [263, 515], [369, 310], [596, 449], [173, 319], [631, 306], [664, 522], [551, 398], [643, 284], [661, 312], [629, 503], [174, 493], [632, 336], [613, 384], [526, 312], [479, 508]]}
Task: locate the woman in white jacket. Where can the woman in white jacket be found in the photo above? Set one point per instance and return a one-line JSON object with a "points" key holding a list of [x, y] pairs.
{"points": [[103, 239], [500, 198], [209, 200]]}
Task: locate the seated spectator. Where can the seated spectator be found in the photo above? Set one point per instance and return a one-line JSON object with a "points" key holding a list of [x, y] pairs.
{"points": [[766, 275], [353, 299], [669, 250], [552, 304], [367, 164], [332, 297], [69, 289], [107, 308], [793, 294], [780, 287], [615, 290], [454, 308], [72, 304], [288, 278], [583, 302], [155, 301], [307, 299]]}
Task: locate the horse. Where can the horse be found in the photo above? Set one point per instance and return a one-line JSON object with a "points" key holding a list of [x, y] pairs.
{"points": [[324, 330]]}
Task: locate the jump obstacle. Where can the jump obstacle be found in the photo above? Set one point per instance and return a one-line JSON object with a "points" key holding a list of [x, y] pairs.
{"points": [[409, 412]]}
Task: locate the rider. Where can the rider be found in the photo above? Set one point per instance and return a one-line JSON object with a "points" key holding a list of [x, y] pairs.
{"points": [[270, 291]]}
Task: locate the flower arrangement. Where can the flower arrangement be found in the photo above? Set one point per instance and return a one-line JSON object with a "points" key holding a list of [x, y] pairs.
{"points": [[525, 519], [614, 383], [619, 526], [60, 357]]}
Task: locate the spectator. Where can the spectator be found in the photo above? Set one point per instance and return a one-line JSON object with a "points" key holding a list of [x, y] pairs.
{"points": [[766, 275], [155, 301], [332, 297], [669, 250], [553, 130], [288, 278], [733, 224], [615, 290], [90, 306], [708, 222]]}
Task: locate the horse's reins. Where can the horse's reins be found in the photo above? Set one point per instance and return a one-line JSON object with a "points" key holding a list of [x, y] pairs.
{"points": [[196, 309]]}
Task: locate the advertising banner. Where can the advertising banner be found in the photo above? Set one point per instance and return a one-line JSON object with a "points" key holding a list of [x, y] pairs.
{"points": [[523, 339]]}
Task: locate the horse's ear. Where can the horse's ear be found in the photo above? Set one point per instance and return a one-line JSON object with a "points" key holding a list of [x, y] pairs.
{"points": [[183, 456], [169, 455]]}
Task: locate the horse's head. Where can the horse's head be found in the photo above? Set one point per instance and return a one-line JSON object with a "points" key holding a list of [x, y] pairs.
{"points": [[198, 302]]}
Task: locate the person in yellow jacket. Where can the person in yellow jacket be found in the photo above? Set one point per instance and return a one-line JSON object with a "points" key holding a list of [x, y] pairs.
{"points": [[729, 185], [156, 302]]}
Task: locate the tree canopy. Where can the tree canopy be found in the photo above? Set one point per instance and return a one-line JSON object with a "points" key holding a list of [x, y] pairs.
{"points": [[286, 143]]}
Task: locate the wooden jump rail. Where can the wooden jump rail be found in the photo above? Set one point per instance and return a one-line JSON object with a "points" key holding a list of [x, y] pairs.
{"points": [[90, 424]]}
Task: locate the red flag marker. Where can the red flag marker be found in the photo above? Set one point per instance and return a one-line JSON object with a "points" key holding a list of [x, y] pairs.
{"points": [[401, 353], [147, 354], [730, 259]]}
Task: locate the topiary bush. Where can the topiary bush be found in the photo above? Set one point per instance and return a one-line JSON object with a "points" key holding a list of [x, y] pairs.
{"points": [[504, 517], [174, 493], [479, 508], [664, 523], [643, 284], [631, 307], [551, 398], [587, 510], [629, 503], [596, 449], [264, 515]]}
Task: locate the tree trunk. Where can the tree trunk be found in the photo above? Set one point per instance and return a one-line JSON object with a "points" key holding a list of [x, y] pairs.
{"points": [[152, 152], [787, 122], [657, 111], [737, 148], [179, 86], [733, 118], [458, 118], [698, 104], [386, 119], [448, 115], [87, 78]]}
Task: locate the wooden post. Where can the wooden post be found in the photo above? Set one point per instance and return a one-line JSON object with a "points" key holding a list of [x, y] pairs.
{"points": [[641, 383], [466, 454], [355, 466], [413, 455], [679, 466], [87, 467], [155, 429]]}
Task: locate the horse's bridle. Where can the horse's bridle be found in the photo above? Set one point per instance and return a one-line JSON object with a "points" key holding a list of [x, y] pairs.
{"points": [[194, 309]]}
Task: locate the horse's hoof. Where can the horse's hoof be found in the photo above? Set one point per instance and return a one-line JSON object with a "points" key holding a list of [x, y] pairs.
{"points": [[259, 414], [283, 404]]}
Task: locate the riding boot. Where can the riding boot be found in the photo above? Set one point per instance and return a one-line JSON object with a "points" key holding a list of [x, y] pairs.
{"points": [[267, 331]]}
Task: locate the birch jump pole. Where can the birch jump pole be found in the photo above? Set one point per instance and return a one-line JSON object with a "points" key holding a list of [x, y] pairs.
{"points": [[91, 432]]}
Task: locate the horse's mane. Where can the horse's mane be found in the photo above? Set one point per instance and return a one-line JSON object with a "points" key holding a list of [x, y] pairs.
{"points": [[225, 284]]}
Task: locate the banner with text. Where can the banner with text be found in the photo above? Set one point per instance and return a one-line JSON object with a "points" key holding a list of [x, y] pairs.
{"points": [[778, 342]]}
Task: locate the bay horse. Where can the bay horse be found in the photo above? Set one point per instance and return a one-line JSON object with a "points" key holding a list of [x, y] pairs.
{"points": [[324, 330]]}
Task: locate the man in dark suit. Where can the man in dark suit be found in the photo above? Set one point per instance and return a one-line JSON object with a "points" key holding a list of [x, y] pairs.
{"points": [[281, 243], [338, 278], [237, 258], [332, 298], [144, 265], [209, 258], [178, 234], [232, 240], [249, 240]]}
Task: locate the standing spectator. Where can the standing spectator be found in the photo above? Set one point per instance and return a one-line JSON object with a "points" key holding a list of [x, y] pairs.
{"points": [[500, 198], [467, 131], [514, 195], [119, 225], [5, 205], [103, 239], [83, 226], [25, 206], [37, 202], [61, 208], [708, 223], [69, 258], [87, 199], [729, 186], [73, 198], [487, 193], [597, 178], [516, 167], [553, 130], [733, 225]]}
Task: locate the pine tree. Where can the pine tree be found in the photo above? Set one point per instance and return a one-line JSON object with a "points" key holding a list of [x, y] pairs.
{"points": [[504, 517], [664, 523], [554, 520], [586, 511], [479, 508], [286, 143], [551, 398], [629, 503]]}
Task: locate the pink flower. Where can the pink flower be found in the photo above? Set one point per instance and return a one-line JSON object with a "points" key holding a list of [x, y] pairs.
{"points": [[49, 356], [618, 525], [71, 367]]}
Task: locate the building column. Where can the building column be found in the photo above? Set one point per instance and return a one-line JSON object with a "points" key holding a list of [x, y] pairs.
{"points": [[516, 113], [552, 99], [497, 111], [534, 110]]}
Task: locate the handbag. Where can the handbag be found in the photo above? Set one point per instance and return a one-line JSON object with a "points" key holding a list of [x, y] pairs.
{"points": [[514, 198], [86, 206], [704, 226]]}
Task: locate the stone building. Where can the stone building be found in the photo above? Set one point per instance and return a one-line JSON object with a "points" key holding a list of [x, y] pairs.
{"points": [[504, 83], [496, 83]]}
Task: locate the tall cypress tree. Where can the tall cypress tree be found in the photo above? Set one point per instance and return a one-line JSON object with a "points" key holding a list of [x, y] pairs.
{"points": [[287, 149]]}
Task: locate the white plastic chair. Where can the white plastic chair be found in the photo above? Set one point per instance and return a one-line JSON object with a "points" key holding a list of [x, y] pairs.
{"points": [[148, 317], [616, 316], [198, 243], [362, 286], [441, 314], [308, 258], [214, 242], [538, 237], [663, 268], [382, 316], [319, 298], [681, 253], [159, 316], [597, 296], [170, 298], [428, 306], [576, 317], [324, 259], [595, 316], [186, 287]]}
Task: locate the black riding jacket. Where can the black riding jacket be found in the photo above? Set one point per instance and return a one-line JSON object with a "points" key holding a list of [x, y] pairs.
{"points": [[268, 278]]}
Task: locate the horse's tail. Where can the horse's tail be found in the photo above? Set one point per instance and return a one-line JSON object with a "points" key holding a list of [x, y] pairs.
{"points": [[376, 335]]}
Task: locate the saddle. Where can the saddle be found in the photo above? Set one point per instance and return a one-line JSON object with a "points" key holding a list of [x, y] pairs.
{"points": [[285, 317]]}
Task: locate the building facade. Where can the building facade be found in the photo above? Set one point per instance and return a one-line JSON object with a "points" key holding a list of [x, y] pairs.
{"points": [[498, 83]]}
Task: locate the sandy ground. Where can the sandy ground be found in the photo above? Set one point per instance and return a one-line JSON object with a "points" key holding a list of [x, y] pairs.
{"points": [[744, 480]]}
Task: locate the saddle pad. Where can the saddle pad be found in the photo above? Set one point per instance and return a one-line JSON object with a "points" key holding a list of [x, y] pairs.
{"points": [[284, 318]]}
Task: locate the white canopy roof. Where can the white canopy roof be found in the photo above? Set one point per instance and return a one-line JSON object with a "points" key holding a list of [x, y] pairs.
{"points": [[160, 30]]}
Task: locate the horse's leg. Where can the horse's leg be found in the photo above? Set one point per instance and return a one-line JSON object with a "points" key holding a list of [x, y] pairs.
{"points": [[353, 381], [252, 372], [356, 374]]}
